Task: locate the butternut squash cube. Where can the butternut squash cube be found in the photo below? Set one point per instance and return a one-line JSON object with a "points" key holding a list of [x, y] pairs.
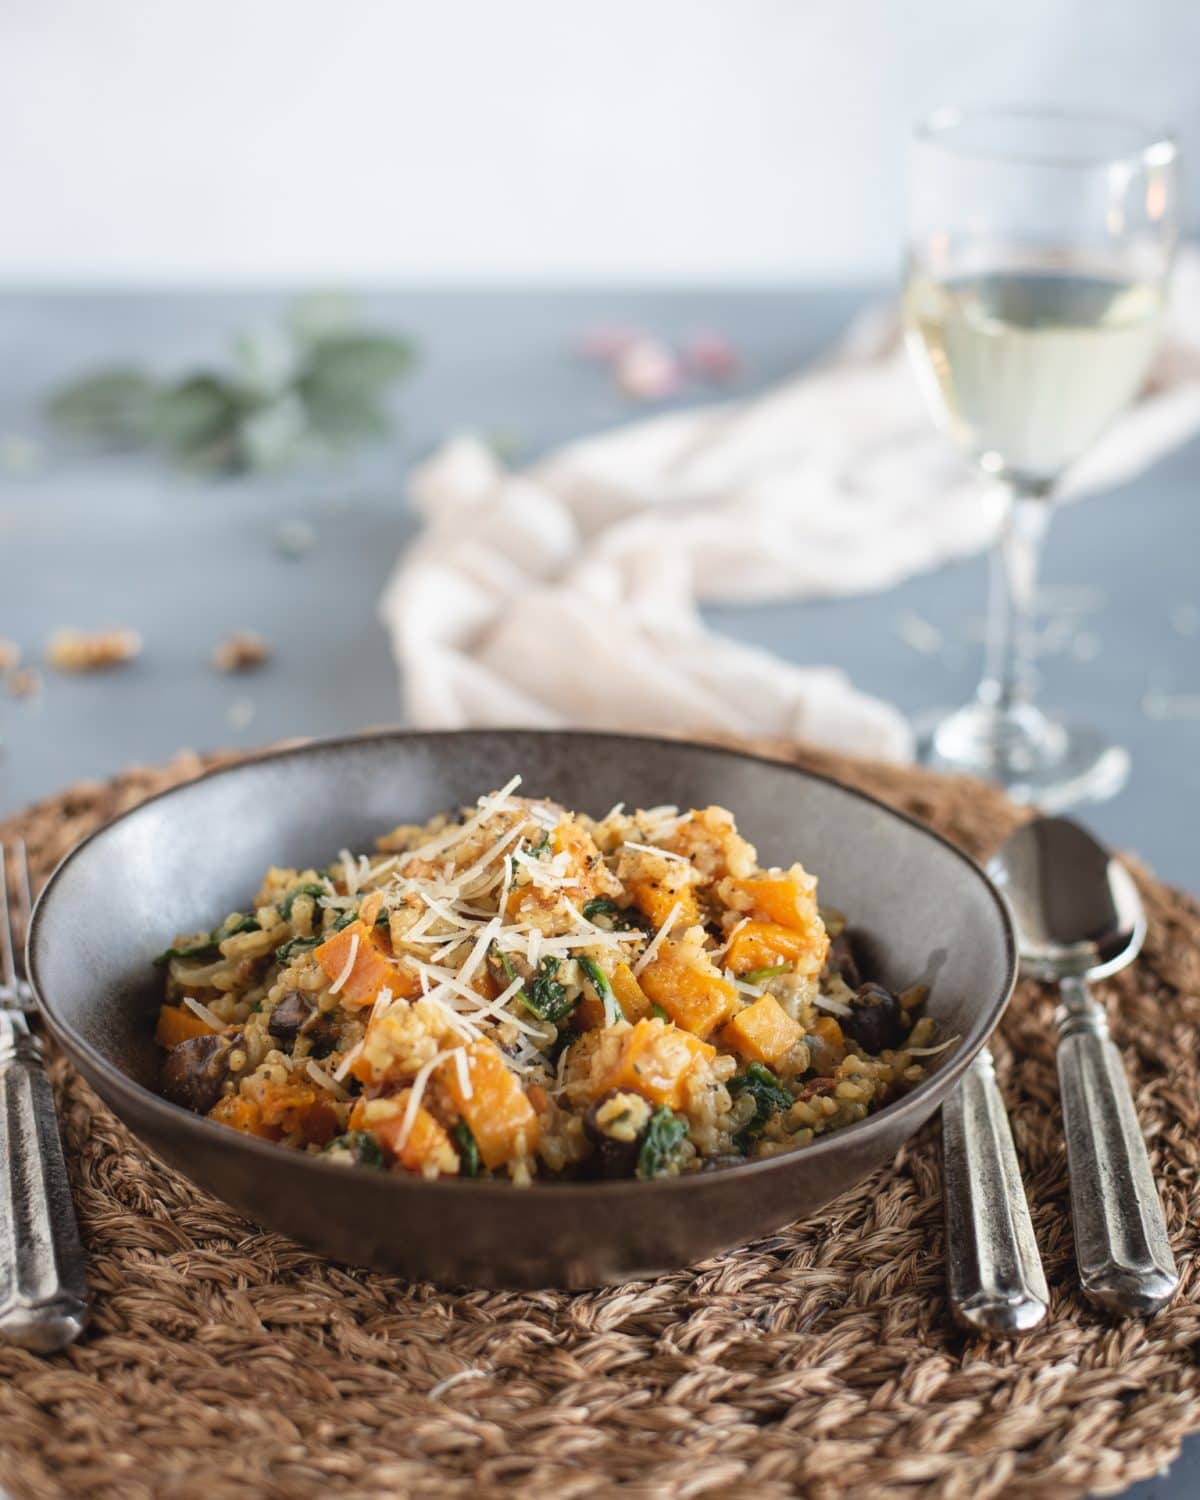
{"points": [[762, 1032], [655, 899], [682, 980], [369, 972], [243, 1114], [584, 862], [654, 1061], [787, 902], [426, 1144], [633, 1000], [293, 1107], [776, 899], [179, 1023], [500, 1117], [762, 945]]}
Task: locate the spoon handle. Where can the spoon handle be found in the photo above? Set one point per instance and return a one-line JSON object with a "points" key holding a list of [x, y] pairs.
{"points": [[994, 1271], [1121, 1245]]}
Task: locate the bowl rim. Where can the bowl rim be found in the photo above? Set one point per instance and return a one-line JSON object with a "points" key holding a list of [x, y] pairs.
{"points": [[180, 1120]]}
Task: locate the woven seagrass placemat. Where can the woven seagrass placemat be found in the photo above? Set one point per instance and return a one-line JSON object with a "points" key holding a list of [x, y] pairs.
{"points": [[818, 1362]]}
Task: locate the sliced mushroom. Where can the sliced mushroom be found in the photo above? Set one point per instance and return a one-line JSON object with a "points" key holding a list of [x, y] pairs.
{"points": [[289, 1016], [615, 1124], [874, 1022], [295, 1015], [195, 1070]]}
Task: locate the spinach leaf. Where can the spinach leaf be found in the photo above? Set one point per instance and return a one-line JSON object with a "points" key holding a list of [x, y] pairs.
{"points": [[542, 845], [545, 996], [468, 1151], [756, 976], [604, 990], [210, 948], [657, 1010], [348, 916], [233, 925], [362, 1146], [206, 949], [769, 1097], [311, 889], [663, 1136], [604, 912], [295, 945]]}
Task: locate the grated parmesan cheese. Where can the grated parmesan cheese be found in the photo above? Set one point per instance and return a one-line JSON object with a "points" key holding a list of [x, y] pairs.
{"points": [[414, 1099], [197, 1008], [318, 1075], [930, 1051], [347, 1062], [382, 1001], [348, 967], [654, 849], [658, 939], [488, 807], [733, 932]]}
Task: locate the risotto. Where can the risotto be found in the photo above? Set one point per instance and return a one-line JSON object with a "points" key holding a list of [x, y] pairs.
{"points": [[520, 991]]}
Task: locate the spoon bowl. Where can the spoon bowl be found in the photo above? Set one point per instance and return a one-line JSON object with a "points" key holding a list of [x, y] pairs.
{"points": [[1077, 909]]}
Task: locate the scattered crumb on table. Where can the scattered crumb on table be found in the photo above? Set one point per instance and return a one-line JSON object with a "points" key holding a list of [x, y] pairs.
{"points": [[92, 650], [241, 652]]}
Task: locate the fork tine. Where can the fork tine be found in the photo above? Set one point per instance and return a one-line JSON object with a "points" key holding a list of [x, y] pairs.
{"points": [[6, 944], [24, 899]]}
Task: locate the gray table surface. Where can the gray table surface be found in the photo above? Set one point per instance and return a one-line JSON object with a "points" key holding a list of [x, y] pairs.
{"points": [[89, 541]]}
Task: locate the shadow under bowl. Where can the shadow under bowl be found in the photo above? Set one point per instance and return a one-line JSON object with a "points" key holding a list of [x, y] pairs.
{"points": [[921, 909]]}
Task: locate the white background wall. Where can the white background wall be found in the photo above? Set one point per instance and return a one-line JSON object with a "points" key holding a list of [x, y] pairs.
{"points": [[518, 140]]}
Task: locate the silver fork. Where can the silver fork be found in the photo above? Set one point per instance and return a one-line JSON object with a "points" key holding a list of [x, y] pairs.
{"points": [[43, 1282]]}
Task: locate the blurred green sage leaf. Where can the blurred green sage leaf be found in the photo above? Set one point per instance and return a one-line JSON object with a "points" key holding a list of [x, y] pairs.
{"points": [[110, 406], [312, 387]]}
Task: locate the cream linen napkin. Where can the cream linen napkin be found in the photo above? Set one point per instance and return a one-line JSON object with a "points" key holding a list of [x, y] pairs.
{"points": [[569, 593]]}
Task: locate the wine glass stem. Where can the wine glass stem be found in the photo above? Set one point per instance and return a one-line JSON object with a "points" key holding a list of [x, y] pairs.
{"points": [[1007, 684]]}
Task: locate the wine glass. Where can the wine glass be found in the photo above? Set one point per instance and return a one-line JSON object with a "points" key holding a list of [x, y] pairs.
{"points": [[1038, 250]]}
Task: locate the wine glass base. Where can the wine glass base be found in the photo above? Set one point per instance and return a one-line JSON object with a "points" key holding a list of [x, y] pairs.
{"points": [[1033, 758]]}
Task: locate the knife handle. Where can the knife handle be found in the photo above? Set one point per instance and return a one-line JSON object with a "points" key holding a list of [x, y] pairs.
{"points": [[1121, 1246], [43, 1286], [994, 1272]]}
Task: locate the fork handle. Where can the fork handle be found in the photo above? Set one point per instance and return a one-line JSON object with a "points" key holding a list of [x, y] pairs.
{"points": [[994, 1272], [43, 1285], [1121, 1244]]}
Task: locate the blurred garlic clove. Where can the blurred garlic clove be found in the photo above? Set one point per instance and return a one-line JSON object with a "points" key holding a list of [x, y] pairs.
{"points": [[648, 371], [711, 356], [607, 342]]}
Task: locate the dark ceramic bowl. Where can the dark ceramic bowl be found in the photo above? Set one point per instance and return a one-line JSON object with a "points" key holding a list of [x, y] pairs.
{"points": [[921, 908]]}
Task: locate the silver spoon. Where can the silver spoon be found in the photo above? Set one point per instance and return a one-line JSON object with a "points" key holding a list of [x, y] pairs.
{"points": [[1079, 917]]}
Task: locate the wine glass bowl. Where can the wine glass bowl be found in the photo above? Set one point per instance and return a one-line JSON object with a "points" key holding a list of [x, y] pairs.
{"points": [[1038, 250]]}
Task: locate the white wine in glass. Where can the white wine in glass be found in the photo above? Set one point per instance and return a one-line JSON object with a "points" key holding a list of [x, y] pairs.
{"points": [[1039, 246]]}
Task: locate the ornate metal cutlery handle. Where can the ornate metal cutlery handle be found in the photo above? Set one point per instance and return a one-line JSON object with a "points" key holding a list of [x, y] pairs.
{"points": [[1121, 1245], [43, 1289], [994, 1271]]}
